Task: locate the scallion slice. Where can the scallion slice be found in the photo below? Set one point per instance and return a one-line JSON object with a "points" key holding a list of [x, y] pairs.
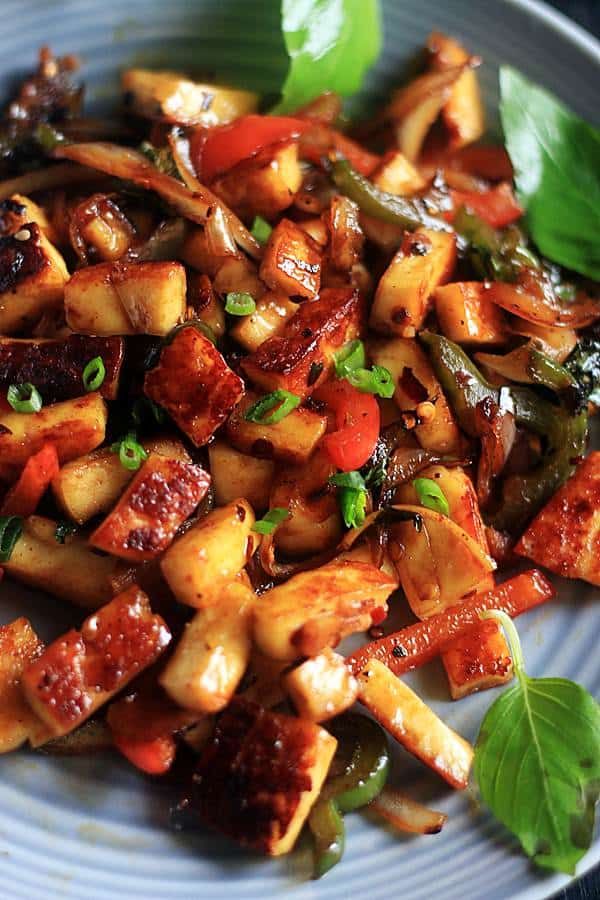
{"points": [[238, 303], [271, 520], [94, 374], [131, 453], [431, 495], [281, 402], [261, 230], [24, 398]]}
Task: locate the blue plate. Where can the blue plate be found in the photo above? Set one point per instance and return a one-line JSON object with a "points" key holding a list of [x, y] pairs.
{"points": [[91, 828]]}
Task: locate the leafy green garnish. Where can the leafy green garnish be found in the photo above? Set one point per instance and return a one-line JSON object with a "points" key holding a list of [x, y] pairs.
{"points": [[352, 497], [584, 364], [271, 520], [331, 44], [537, 762], [555, 156]]}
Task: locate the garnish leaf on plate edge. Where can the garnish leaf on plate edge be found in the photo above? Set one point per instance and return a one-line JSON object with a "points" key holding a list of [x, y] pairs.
{"points": [[556, 157], [537, 762]]}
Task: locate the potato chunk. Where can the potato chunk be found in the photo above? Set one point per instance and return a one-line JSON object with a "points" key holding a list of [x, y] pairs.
{"points": [[126, 298], [462, 113], [292, 262], [269, 318], [414, 724], [236, 474], [19, 646], [425, 260], [478, 660], [565, 535], [321, 687], [467, 315], [316, 609], [83, 669], [301, 355], [194, 384], [212, 654], [74, 426], [264, 185], [210, 554], [33, 276], [161, 496], [260, 775]]}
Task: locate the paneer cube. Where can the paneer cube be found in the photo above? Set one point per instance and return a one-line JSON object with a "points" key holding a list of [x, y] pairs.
{"points": [[161, 496], [194, 384], [83, 669], [269, 318], [301, 355], [19, 646], [467, 315], [478, 660], [424, 261], [264, 185], [236, 474], [321, 687], [292, 262], [260, 775], [33, 276], [565, 534]]}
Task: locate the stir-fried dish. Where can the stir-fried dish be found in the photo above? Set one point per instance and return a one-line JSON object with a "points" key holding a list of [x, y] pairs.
{"points": [[264, 378]]}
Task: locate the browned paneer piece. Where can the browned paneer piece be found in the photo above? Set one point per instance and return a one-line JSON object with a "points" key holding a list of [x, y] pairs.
{"points": [[467, 315], [565, 534], [74, 427], [19, 646], [462, 112], [477, 660], [33, 276], [194, 384], [264, 185], [291, 440], [301, 355], [402, 299], [292, 262], [347, 236], [321, 687], [260, 775], [161, 496], [56, 366], [81, 670], [126, 298], [269, 318]]}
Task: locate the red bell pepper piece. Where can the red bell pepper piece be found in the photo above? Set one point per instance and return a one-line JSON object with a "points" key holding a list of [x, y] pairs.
{"points": [[498, 206], [24, 496], [154, 756], [321, 140], [356, 424]]}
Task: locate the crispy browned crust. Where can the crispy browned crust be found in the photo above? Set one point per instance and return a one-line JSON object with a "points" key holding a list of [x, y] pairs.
{"points": [[253, 772], [305, 347], [161, 496], [194, 384], [292, 262], [21, 260], [56, 367]]}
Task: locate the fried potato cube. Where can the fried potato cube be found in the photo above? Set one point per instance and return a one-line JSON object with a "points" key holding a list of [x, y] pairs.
{"points": [[19, 646], [424, 261], [415, 383], [264, 185], [316, 609], [92, 484], [210, 554], [74, 427], [478, 660], [321, 687], [194, 384], [261, 774], [565, 534], [161, 496], [33, 276], [126, 298], [292, 262], [467, 315], [414, 725], [301, 355], [291, 440], [462, 113], [236, 474], [269, 318], [347, 237], [238, 275], [56, 366], [171, 97], [81, 670], [18, 211], [395, 175], [70, 571], [212, 654]]}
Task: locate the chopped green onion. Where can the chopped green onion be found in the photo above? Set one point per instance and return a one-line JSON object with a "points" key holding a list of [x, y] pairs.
{"points": [[261, 230], [431, 495], [238, 303], [24, 398], [271, 520], [352, 480], [352, 497], [94, 374], [131, 454], [63, 530], [10, 532], [352, 356], [377, 380], [281, 402], [145, 404]]}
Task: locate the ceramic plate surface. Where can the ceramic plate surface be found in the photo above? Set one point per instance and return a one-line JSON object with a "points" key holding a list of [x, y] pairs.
{"points": [[92, 828]]}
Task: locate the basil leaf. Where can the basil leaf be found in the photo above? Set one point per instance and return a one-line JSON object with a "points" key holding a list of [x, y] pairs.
{"points": [[555, 156], [331, 44], [537, 763]]}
